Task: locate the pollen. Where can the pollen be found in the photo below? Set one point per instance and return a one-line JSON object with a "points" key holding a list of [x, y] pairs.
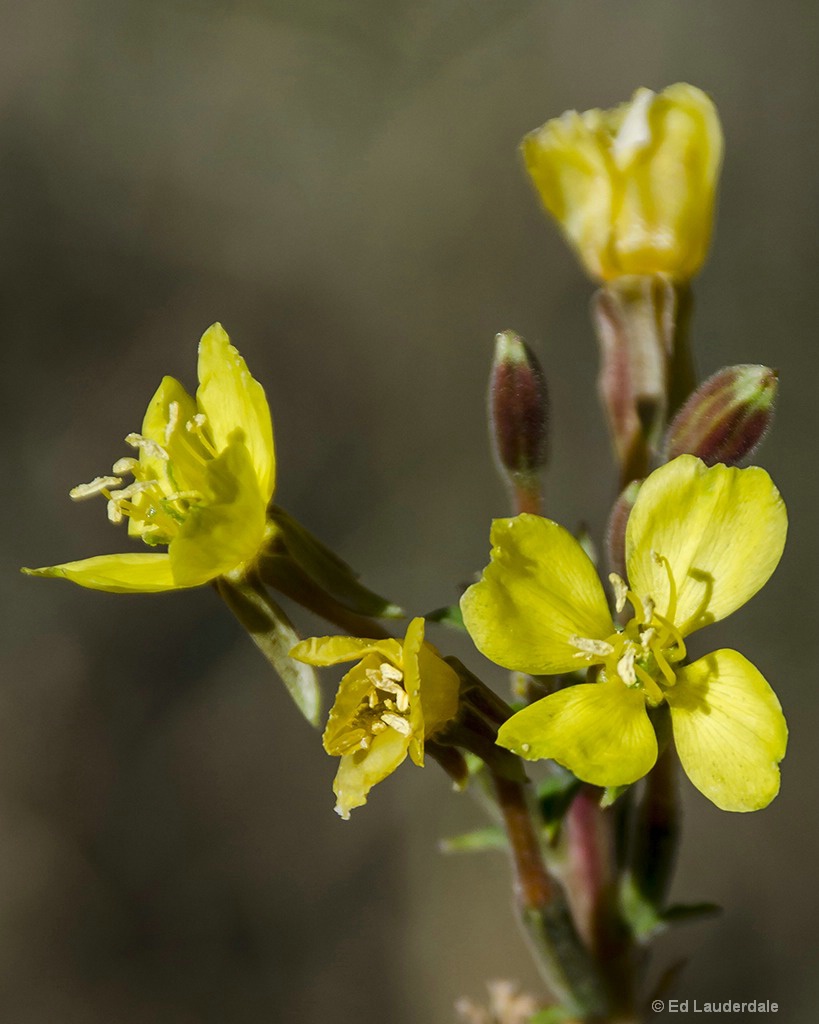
{"points": [[99, 485]]}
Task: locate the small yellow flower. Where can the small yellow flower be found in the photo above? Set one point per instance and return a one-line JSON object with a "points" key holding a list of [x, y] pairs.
{"points": [[699, 543], [633, 188], [397, 695], [204, 475]]}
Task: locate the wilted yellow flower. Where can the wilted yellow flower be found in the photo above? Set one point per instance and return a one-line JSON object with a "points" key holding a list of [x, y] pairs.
{"points": [[633, 188], [204, 475], [699, 543], [397, 695]]}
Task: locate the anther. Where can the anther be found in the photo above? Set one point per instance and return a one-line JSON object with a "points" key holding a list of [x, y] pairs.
{"points": [[620, 591], [97, 486], [173, 420], [125, 465], [151, 448], [597, 648], [625, 667], [397, 722]]}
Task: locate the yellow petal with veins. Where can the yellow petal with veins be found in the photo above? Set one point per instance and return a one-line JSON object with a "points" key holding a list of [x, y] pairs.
{"points": [[538, 592], [359, 772], [729, 731], [599, 731], [722, 530], [231, 398], [118, 574], [332, 650]]}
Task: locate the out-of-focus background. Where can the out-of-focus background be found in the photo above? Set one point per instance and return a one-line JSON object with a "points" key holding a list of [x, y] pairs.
{"points": [[339, 185]]}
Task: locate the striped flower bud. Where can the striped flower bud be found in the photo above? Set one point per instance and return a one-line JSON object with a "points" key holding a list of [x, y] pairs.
{"points": [[726, 417]]}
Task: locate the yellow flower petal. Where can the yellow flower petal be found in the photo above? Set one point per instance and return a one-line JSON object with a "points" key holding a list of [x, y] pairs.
{"points": [[118, 574], [632, 188], [413, 645], [227, 530], [231, 398], [359, 772], [569, 164], [729, 731], [722, 530], [599, 731], [539, 590], [331, 650], [440, 686], [668, 185], [352, 690]]}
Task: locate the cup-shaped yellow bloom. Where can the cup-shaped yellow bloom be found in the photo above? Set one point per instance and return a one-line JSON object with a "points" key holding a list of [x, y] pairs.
{"points": [[633, 188], [700, 542], [398, 694], [204, 474]]}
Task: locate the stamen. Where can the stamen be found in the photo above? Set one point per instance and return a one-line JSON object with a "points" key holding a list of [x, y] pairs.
{"points": [[389, 671], [145, 444], [653, 691], [115, 513], [620, 591], [378, 727], [675, 635], [671, 610], [125, 465], [662, 664], [173, 421], [196, 426], [625, 667], [397, 722], [97, 486], [595, 648]]}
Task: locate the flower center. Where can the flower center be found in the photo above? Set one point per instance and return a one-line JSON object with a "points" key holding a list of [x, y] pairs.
{"points": [[385, 706], [155, 502], [644, 652]]}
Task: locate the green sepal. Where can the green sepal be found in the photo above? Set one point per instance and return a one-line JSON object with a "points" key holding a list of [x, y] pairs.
{"points": [[554, 795], [450, 615], [324, 567], [611, 794], [490, 838], [274, 635]]}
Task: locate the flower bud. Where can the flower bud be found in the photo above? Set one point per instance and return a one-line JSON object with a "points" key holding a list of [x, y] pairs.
{"points": [[632, 188], [726, 417], [518, 410]]}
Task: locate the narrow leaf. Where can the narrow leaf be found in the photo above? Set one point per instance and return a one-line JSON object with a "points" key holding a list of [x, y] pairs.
{"points": [[328, 571], [273, 634], [489, 838]]}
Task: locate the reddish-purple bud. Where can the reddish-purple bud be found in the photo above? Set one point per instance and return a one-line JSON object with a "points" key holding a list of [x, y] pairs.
{"points": [[726, 417], [518, 410]]}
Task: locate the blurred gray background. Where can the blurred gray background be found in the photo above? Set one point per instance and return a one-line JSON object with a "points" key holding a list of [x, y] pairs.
{"points": [[338, 183]]}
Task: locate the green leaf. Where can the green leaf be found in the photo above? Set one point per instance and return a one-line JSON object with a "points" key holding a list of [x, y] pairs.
{"points": [[273, 634], [449, 615], [489, 838], [327, 570]]}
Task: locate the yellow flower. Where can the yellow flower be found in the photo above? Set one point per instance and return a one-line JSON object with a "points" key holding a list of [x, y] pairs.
{"points": [[201, 483], [397, 695], [699, 543], [633, 188]]}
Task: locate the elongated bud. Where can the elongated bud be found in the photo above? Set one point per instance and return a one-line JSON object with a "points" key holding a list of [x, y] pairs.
{"points": [[518, 416], [726, 417]]}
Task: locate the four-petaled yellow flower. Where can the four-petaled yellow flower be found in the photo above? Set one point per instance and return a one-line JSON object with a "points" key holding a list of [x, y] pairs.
{"points": [[700, 542], [201, 484], [633, 188], [397, 695]]}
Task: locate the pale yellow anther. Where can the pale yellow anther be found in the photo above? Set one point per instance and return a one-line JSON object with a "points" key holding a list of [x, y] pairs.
{"points": [[397, 722], [99, 485], [620, 588], [648, 610], [173, 420], [378, 727], [647, 637], [389, 671], [145, 444], [625, 667], [125, 465], [115, 513], [587, 646]]}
